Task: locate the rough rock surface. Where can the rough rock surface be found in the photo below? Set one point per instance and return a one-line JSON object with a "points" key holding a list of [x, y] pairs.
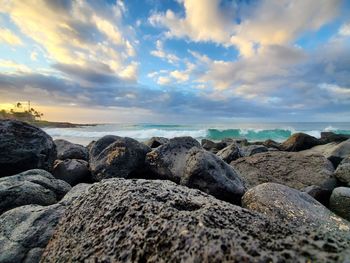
{"points": [[339, 202], [320, 194], [113, 156], [158, 221], [230, 153], [291, 205], [252, 149], [24, 147], [272, 144], [208, 173], [298, 142], [25, 231], [72, 171], [343, 172], [327, 137], [295, 170], [168, 161], [340, 152], [155, 142], [68, 150], [30, 187]]}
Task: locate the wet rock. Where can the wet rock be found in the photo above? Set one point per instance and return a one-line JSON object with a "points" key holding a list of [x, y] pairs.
{"points": [[155, 142], [291, 205], [30, 187], [327, 137], [68, 150], [113, 156], [340, 202], [159, 221], [24, 147], [208, 173], [26, 230], [168, 161], [298, 142], [72, 171], [295, 170], [230, 153]]}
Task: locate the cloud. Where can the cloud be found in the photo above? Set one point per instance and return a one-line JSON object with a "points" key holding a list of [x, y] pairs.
{"points": [[160, 53], [13, 66], [8, 37], [345, 30], [78, 33], [248, 27]]}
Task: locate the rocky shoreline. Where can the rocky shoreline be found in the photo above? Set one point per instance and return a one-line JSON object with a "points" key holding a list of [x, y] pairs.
{"points": [[173, 200]]}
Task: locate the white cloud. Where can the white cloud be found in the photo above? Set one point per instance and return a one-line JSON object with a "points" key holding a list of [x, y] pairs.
{"points": [[8, 37], [13, 67], [163, 80], [159, 52], [344, 30]]}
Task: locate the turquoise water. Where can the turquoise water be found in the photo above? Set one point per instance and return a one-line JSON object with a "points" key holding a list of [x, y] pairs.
{"points": [[251, 131]]}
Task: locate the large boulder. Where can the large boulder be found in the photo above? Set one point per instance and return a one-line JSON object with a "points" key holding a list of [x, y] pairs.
{"points": [[68, 150], [298, 142], [113, 156], [24, 147], [211, 146], [295, 170], [327, 137], [158, 221], [319, 193], [208, 173], [272, 144], [72, 171], [340, 152], [26, 230], [155, 142], [343, 172], [290, 205], [230, 153], [30, 187], [339, 202], [169, 160]]}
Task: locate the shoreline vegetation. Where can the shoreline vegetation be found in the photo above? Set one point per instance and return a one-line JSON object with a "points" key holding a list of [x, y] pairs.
{"points": [[173, 199], [22, 111]]}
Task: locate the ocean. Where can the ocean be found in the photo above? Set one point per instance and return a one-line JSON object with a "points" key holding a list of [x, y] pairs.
{"points": [[251, 131]]}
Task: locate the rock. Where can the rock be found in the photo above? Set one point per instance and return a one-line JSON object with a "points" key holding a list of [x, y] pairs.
{"points": [[72, 171], [291, 205], [339, 202], [24, 147], [295, 170], [30, 187], [158, 221], [237, 141], [211, 146], [320, 194], [89, 146], [113, 156], [68, 150], [345, 160], [252, 149], [298, 142], [155, 142], [327, 137], [168, 161], [343, 173], [341, 151], [26, 230], [208, 173], [272, 144], [230, 153]]}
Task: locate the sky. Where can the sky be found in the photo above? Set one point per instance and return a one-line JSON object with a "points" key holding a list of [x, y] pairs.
{"points": [[177, 61]]}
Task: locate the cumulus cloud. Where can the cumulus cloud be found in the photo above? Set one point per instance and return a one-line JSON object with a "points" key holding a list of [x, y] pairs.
{"points": [[79, 33], [159, 52]]}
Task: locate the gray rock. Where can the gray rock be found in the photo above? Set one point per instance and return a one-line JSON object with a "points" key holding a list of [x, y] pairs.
{"points": [[345, 160], [339, 202], [319, 193], [208, 173], [158, 221], [272, 144], [298, 142], [68, 150], [155, 142], [72, 171], [168, 161], [291, 205], [252, 149], [30, 187], [327, 137], [340, 152], [230, 153], [343, 172], [113, 156], [295, 170], [211, 146], [26, 230], [24, 147]]}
